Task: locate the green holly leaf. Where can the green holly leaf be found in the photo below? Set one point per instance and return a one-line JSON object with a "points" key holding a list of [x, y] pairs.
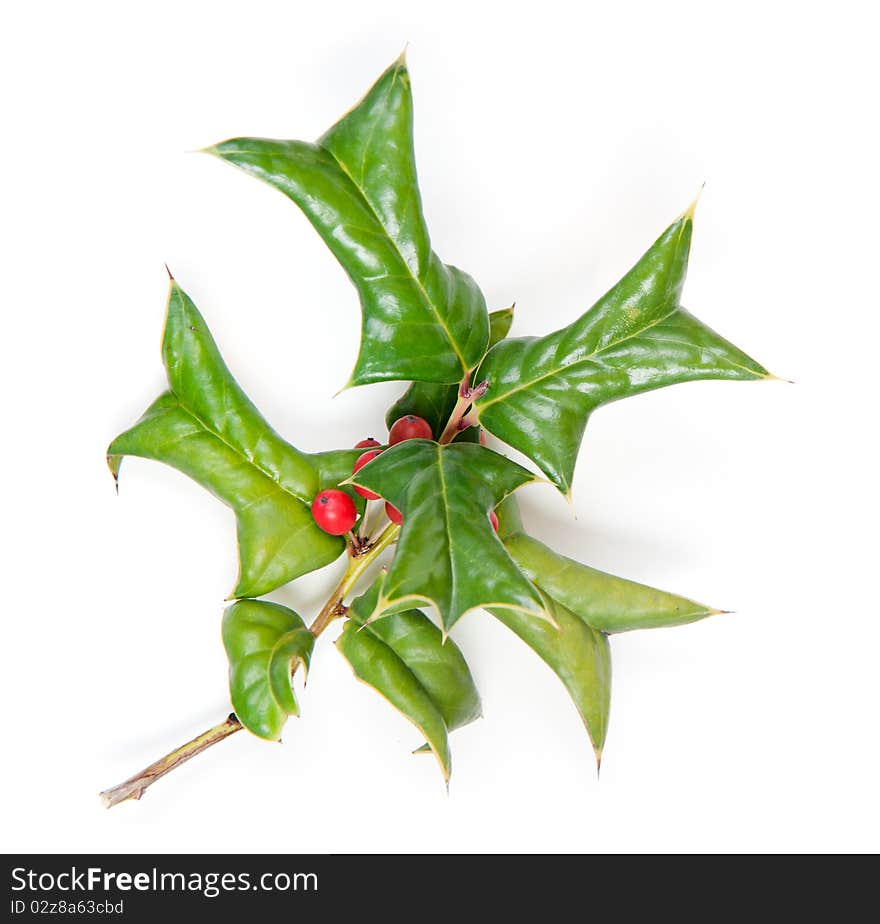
{"points": [[604, 602], [357, 185], [207, 428], [448, 555], [265, 643], [404, 658], [578, 655], [434, 402], [636, 338]]}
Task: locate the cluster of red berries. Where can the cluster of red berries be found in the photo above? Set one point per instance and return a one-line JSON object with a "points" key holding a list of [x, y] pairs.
{"points": [[334, 510]]}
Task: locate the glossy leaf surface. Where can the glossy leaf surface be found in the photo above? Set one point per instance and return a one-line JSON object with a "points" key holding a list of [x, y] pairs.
{"points": [[404, 658], [604, 602], [265, 642], [500, 322], [448, 554], [434, 402], [636, 338], [206, 427], [421, 319]]}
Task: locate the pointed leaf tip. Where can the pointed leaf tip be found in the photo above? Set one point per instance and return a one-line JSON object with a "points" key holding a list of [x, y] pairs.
{"points": [[688, 213], [206, 427], [114, 463], [635, 338], [421, 319], [578, 655], [606, 603], [401, 657]]}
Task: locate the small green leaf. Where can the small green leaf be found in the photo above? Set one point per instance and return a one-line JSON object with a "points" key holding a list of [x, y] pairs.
{"points": [[636, 338], [265, 642], [604, 602], [207, 428], [357, 185], [404, 658], [448, 554], [500, 322], [434, 402], [578, 655]]}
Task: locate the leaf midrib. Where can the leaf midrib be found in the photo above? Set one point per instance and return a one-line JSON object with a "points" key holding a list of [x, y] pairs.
{"points": [[423, 598], [596, 352], [445, 498], [368, 628], [235, 449], [362, 192], [410, 274], [522, 386]]}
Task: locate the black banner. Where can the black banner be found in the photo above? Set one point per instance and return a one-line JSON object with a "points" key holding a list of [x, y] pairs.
{"points": [[136, 887]]}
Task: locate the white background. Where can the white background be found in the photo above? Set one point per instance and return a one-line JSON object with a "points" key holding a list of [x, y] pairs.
{"points": [[554, 142]]}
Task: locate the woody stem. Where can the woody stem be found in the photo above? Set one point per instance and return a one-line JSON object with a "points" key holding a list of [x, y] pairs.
{"points": [[134, 787]]}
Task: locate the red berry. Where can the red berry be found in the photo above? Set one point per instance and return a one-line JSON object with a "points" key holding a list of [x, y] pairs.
{"points": [[361, 462], [409, 428], [393, 514], [493, 519], [368, 443], [334, 511]]}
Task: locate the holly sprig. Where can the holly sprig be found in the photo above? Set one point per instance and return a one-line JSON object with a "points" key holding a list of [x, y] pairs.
{"points": [[434, 504]]}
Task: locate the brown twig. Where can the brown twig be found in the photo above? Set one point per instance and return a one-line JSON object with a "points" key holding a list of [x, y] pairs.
{"points": [[334, 608], [136, 786]]}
